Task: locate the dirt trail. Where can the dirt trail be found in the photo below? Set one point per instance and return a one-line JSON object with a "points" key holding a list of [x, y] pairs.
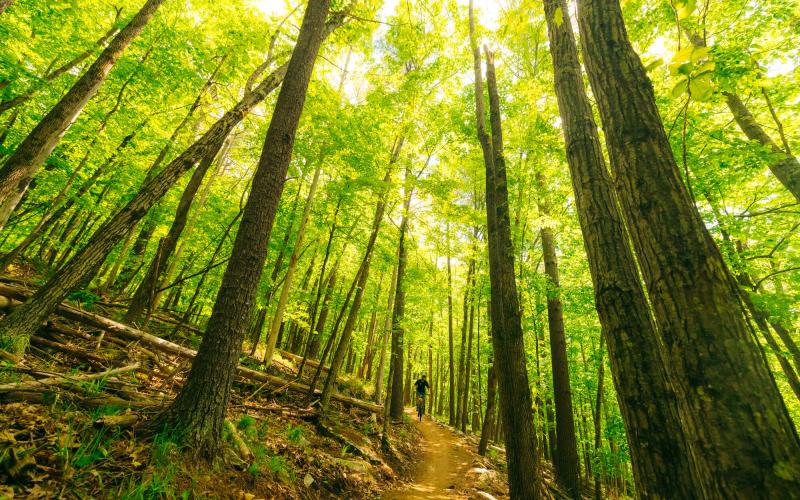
{"points": [[441, 471]]}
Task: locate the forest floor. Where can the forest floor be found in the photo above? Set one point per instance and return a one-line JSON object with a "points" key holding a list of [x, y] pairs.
{"points": [[442, 471], [74, 413]]}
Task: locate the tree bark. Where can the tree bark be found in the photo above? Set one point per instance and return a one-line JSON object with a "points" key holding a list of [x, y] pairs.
{"points": [[566, 457], [488, 420], [469, 317], [198, 411], [451, 400], [460, 408], [387, 327], [21, 166], [522, 454], [739, 451], [399, 309]]}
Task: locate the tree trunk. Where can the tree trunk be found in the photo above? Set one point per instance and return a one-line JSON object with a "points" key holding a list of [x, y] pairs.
{"points": [[199, 410], [598, 484], [399, 309], [742, 451], [21, 166], [451, 401], [468, 362], [462, 383], [659, 453], [522, 454], [51, 75], [488, 420], [566, 459], [387, 327]]}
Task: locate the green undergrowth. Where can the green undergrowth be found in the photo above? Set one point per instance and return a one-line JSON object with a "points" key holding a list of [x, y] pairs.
{"points": [[59, 449]]}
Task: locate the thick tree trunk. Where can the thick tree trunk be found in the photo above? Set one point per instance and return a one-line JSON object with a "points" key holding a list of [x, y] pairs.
{"points": [[198, 411], [522, 454], [740, 451], [21, 166], [566, 459], [659, 452]]}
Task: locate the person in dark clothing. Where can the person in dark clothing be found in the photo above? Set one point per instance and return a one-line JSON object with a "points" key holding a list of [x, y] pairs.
{"points": [[422, 387]]}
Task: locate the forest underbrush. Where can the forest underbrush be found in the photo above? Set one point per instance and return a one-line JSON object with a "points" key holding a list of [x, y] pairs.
{"points": [[76, 408]]}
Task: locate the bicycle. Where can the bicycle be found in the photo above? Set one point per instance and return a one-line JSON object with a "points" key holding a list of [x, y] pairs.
{"points": [[420, 406]]}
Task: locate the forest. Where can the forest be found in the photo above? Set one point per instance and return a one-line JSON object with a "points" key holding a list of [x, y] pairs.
{"points": [[234, 234]]}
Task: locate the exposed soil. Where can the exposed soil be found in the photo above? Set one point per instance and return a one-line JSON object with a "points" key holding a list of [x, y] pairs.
{"points": [[442, 471]]}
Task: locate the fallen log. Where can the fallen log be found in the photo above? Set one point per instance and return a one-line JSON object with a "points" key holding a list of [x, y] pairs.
{"points": [[64, 380], [93, 360], [13, 358], [299, 359], [130, 333]]}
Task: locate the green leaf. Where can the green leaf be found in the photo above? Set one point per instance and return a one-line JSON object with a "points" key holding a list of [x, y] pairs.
{"points": [[683, 55], [680, 88], [701, 88], [685, 8], [699, 53], [558, 17]]}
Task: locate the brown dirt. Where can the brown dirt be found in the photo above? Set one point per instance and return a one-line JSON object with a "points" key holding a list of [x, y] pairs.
{"points": [[441, 471]]}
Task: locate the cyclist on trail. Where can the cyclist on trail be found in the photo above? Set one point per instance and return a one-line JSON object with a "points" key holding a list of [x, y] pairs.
{"points": [[421, 386]]}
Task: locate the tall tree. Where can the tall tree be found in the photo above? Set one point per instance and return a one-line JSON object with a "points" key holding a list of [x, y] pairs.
{"points": [[659, 453], [515, 398], [198, 412], [399, 310], [715, 362], [21, 166], [566, 455]]}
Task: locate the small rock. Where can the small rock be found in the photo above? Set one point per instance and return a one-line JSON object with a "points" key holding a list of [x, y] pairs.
{"points": [[308, 480], [359, 466]]}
